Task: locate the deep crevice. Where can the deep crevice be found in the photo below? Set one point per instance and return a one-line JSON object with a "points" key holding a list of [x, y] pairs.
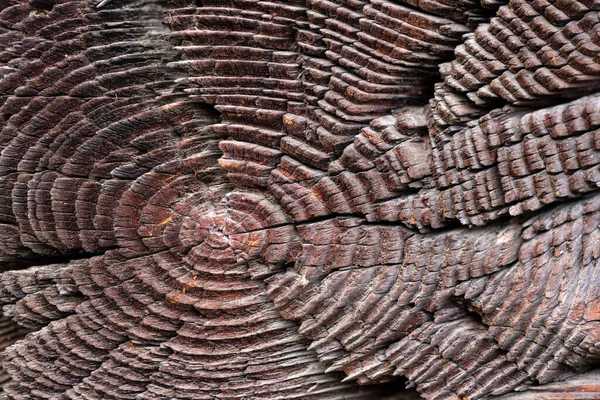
{"points": [[40, 260], [396, 390]]}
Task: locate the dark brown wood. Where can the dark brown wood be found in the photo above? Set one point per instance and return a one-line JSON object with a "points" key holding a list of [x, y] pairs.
{"points": [[299, 199]]}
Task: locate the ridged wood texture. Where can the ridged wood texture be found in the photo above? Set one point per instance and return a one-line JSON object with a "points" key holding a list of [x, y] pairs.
{"points": [[300, 199]]}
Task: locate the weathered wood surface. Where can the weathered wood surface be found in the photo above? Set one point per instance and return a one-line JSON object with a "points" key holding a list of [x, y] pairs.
{"points": [[300, 199]]}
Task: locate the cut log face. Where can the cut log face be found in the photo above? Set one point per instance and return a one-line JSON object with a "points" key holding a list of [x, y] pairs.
{"points": [[299, 199]]}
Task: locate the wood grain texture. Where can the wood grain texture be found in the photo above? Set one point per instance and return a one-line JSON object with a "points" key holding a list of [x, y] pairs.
{"points": [[300, 199]]}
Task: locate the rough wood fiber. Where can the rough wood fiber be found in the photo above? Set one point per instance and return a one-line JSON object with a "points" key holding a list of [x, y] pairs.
{"points": [[300, 199]]}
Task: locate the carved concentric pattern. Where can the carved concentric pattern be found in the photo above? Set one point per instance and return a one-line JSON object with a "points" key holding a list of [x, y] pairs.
{"points": [[300, 199]]}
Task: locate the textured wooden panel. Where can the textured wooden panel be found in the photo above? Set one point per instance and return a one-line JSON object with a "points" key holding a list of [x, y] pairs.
{"points": [[301, 199]]}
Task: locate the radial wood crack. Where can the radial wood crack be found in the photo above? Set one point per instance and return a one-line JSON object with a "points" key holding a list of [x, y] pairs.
{"points": [[300, 199]]}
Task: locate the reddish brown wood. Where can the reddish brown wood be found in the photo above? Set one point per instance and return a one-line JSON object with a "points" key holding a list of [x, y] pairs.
{"points": [[299, 199]]}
